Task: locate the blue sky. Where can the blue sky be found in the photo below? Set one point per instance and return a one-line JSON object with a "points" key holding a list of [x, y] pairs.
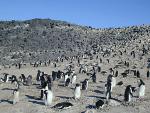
{"points": [[95, 13]]}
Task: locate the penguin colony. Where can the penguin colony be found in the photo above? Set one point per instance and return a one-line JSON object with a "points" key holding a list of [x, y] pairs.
{"points": [[69, 77]]}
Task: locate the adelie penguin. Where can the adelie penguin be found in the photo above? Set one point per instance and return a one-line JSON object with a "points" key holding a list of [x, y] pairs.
{"points": [[128, 94], [74, 78], [38, 75], [66, 77], [138, 74], [108, 91], [116, 73], [29, 80], [99, 104], [15, 81], [22, 78], [15, 96], [63, 105], [85, 84], [49, 97], [94, 77], [67, 82], [141, 91], [112, 80], [99, 69], [6, 78], [77, 92], [148, 74], [46, 86]]}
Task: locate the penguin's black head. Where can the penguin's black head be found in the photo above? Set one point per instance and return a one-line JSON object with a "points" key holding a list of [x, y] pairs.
{"points": [[29, 77], [14, 91], [141, 82], [77, 85], [128, 87], [86, 79], [39, 71]]}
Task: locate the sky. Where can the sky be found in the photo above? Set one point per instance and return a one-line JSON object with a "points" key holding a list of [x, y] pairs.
{"points": [[95, 13]]}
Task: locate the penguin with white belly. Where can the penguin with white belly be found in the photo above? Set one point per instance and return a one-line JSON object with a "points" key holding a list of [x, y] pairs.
{"points": [[74, 78], [113, 82], [77, 92], [65, 77], [141, 91], [49, 97], [15, 96]]}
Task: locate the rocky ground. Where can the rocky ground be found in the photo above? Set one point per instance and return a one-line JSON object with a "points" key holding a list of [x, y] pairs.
{"points": [[29, 95]]}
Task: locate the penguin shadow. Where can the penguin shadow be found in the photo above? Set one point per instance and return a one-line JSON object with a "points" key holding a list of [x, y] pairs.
{"points": [[116, 100], [6, 100], [92, 96], [35, 84], [7, 89], [36, 102], [100, 87], [97, 91], [64, 97], [38, 87], [61, 85], [72, 88], [32, 97], [102, 81], [61, 82]]}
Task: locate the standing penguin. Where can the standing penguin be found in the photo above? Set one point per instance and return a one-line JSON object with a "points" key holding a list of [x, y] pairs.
{"points": [[38, 75], [23, 78], [85, 84], [15, 81], [116, 74], [128, 93], [111, 81], [94, 77], [77, 92], [29, 80], [141, 89], [67, 82], [108, 91], [6, 78], [99, 69], [15, 96], [148, 74], [65, 77], [138, 74], [111, 71], [49, 97], [74, 78]]}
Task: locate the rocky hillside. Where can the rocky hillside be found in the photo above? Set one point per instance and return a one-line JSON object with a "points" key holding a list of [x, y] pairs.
{"points": [[43, 39]]}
